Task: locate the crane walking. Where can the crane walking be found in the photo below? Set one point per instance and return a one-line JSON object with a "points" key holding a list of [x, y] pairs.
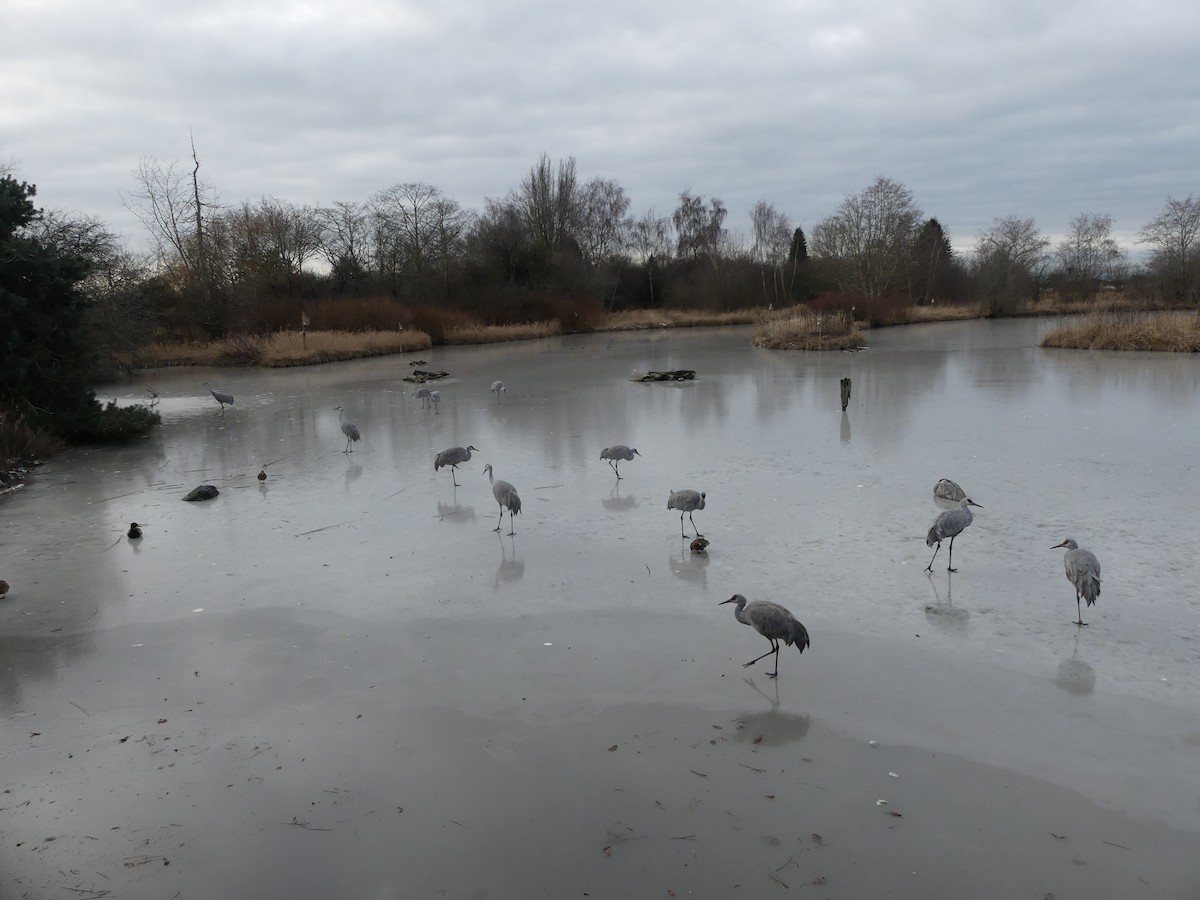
{"points": [[618, 452], [453, 457], [435, 398], [506, 495], [221, 397], [349, 429], [1083, 571], [773, 622], [686, 502], [949, 524], [498, 388], [424, 394]]}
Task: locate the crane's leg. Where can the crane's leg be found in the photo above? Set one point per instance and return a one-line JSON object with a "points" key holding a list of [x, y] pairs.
{"points": [[774, 648], [1078, 611], [617, 469], [436, 410], [694, 528], [929, 568], [950, 562], [775, 674], [501, 522], [682, 533], [512, 523], [452, 478]]}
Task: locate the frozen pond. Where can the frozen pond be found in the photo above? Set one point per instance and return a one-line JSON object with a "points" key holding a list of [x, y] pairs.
{"points": [[368, 692]]}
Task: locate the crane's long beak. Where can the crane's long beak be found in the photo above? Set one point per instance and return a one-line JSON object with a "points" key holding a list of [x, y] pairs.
{"points": [[730, 600], [1059, 546]]}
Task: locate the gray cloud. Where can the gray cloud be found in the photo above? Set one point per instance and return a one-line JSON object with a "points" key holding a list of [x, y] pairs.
{"points": [[982, 110]]}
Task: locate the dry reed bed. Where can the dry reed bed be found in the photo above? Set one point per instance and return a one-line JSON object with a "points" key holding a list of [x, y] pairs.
{"points": [[283, 348], [495, 334], [1171, 331], [804, 330], [945, 313], [638, 319]]}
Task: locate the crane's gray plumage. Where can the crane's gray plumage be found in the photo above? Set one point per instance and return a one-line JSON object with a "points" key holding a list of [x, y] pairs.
{"points": [[498, 388], [453, 457], [618, 452], [949, 524], [425, 395], [1083, 571], [220, 396], [946, 489], [435, 398], [773, 622], [506, 495], [686, 502], [349, 429]]}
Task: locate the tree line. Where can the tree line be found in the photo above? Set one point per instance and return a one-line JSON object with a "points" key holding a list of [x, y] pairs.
{"points": [[558, 246]]}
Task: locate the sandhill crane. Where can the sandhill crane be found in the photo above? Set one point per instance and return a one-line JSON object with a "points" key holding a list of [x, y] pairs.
{"points": [[946, 489], [1083, 571], [349, 429], [686, 502], [773, 622], [453, 457], [506, 495], [498, 388], [135, 531], [616, 453], [435, 398], [220, 396], [424, 394], [949, 524]]}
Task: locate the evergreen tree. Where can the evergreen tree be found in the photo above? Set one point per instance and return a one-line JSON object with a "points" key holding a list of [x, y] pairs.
{"points": [[799, 248], [46, 359]]}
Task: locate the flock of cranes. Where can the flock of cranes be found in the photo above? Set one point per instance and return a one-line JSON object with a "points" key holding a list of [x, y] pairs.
{"points": [[772, 621], [1082, 567]]}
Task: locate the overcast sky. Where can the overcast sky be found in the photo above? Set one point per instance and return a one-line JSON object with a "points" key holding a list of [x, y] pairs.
{"points": [[1030, 108]]}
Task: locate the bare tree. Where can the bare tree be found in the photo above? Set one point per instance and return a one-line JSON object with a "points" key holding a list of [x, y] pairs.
{"points": [[1089, 254], [649, 240], [603, 206], [549, 202], [698, 229], [772, 241], [1174, 236], [1009, 261], [344, 241], [867, 242], [415, 230], [163, 202]]}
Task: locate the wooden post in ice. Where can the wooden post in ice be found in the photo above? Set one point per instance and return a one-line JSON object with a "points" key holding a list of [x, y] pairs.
{"points": [[845, 393]]}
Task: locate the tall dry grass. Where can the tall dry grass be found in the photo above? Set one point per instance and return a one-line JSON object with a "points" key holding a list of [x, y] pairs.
{"points": [[804, 329], [1177, 332], [638, 319], [283, 348], [494, 334]]}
